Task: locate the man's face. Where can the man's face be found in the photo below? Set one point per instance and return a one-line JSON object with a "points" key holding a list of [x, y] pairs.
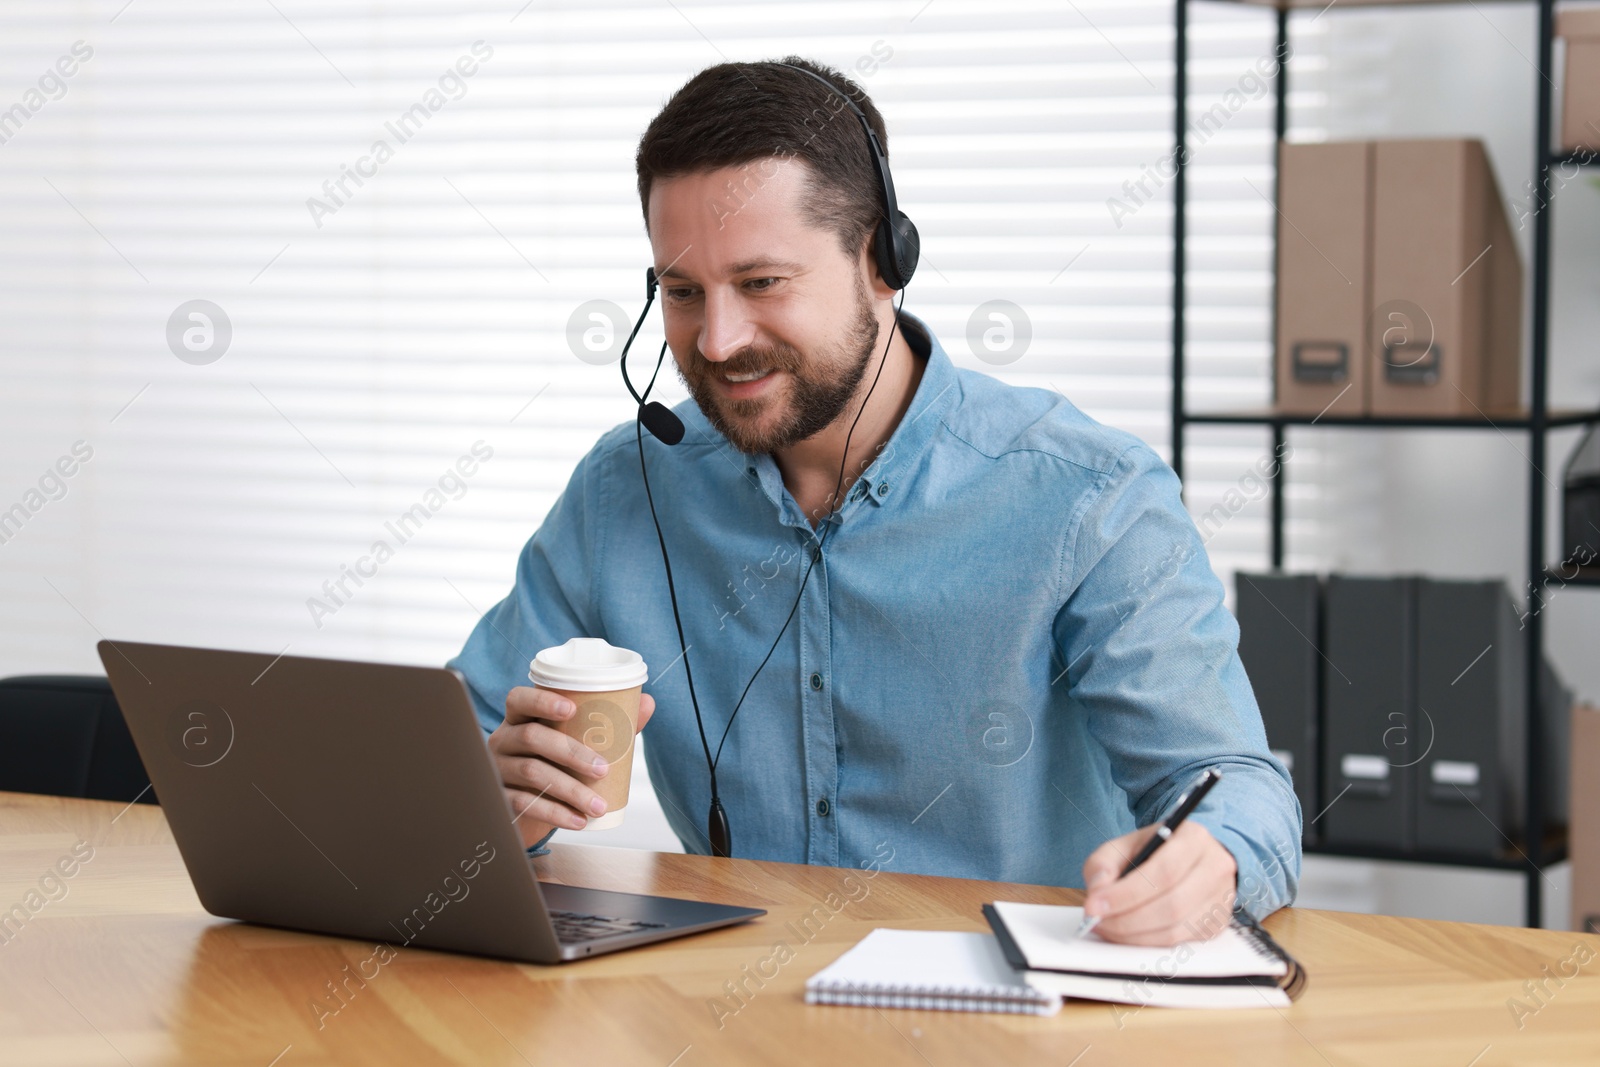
{"points": [[751, 287]]}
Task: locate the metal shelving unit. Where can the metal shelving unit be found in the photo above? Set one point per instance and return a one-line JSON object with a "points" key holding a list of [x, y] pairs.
{"points": [[1537, 420]]}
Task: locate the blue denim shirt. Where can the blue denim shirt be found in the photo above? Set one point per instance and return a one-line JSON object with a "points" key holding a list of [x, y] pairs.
{"points": [[1012, 648]]}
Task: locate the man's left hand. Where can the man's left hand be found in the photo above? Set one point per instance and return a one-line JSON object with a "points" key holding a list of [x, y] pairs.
{"points": [[1184, 892]]}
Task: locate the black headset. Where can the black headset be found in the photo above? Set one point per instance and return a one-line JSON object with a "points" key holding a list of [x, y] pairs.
{"points": [[896, 248], [896, 244]]}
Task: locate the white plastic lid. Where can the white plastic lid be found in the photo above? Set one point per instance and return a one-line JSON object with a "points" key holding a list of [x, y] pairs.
{"points": [[588, 665]]}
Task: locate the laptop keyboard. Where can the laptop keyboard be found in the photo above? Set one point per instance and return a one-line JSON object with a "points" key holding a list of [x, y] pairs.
{"points": [[576, 926]]}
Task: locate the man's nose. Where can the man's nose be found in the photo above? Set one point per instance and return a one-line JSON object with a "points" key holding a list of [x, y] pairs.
{"points": [[727, 329]]}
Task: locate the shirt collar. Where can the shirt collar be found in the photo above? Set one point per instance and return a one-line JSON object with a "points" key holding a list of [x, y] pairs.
{"points": [[936, 394]]}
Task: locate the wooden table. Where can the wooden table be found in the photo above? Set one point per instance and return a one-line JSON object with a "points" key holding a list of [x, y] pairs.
{"points": [[124, 967]]}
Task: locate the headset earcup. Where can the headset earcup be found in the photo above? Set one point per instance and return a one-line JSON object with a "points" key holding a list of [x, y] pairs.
{"points": [[884, 252], [908, 248], [897, 248]]}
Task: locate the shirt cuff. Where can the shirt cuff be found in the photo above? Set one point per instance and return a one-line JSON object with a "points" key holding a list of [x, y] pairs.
{"points": [[1264, 884], [538, 847]]}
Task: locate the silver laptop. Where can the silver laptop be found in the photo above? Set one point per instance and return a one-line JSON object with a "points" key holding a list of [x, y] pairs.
{"points": [[358, 799]]}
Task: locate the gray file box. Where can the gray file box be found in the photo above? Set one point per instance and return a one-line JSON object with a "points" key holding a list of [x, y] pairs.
{"points": [[1556, 744], [1471, 682], [1470, 688], [1279, 631], [1372, 731]]}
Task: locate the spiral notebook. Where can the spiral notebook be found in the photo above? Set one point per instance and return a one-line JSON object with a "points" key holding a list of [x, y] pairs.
{"points": [[944, 970], [1241, 967]]}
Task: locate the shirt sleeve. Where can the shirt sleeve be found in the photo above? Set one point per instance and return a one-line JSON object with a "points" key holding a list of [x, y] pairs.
{"points": [[1152, 660], [552, 599], [541, 847]]}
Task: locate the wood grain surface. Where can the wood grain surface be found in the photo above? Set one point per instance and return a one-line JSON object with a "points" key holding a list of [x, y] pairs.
{"points": [[116, 963]]}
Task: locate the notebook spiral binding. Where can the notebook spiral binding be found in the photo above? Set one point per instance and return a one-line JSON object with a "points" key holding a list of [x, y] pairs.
{"points": [[931, 997], [1266, 946], [927, 1002], [979, 992]]}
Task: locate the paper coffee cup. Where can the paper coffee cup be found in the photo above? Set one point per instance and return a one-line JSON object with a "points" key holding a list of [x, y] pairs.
{"points": [[604, 681]]}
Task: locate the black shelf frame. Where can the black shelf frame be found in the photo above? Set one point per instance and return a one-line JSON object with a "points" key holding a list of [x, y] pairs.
{"points": [[1565, 574], [1581, 158], [1537, 421], [1517, 862], [1417, 422]]}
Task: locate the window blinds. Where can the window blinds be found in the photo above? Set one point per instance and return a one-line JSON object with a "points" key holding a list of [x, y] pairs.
{"points": [[287, 281]]}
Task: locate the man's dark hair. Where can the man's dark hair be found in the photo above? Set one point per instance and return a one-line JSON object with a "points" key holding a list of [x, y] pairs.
{"points": [[738, 113]]}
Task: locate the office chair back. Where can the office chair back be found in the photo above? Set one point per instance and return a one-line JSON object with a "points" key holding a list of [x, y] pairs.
{"points": [[64, 735]]}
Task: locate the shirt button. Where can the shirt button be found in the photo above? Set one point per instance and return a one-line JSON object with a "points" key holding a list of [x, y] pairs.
{"points": [[823, 808], [883, 488], [751, 471], [816, 681], [859, 491]]}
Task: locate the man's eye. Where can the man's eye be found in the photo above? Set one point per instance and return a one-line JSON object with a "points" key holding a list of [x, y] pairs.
{"points": [[761, 284], [680, 295]]}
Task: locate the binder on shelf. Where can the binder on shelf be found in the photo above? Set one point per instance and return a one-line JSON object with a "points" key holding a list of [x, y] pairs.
{"points": [[1471, 691], [1445, 327], [1279, 631], [1555, 745], [1580, 503], [1369, 712], [1324, 284], [1584, 839]]}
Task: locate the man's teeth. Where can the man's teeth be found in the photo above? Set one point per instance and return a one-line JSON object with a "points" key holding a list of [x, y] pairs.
{"points": [[749, 377]]}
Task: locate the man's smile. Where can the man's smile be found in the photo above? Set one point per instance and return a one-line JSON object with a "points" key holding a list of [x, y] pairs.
{"points": [[745, 386]]}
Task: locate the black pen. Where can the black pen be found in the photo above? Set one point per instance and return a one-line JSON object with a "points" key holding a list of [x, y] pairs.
{"points": [[1186, 803]]}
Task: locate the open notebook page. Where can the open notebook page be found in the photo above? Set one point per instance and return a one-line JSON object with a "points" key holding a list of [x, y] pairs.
{"points": [[1046, 934], [1150, 994]]}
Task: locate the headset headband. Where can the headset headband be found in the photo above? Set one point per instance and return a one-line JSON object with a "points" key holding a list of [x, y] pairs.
{"points": [[898, 246]]}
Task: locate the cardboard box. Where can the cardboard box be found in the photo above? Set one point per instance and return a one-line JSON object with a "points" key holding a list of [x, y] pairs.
{"points": [[1502, 373], [1445, 327], [1584, 819], [1324, 277], [1580, 98]]}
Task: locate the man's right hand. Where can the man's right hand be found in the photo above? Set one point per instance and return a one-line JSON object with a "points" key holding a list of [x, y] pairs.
{"points": [[545, 773]]}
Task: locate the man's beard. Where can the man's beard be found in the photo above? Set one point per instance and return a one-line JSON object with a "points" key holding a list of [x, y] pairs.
{"points": [[814, 402]]}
